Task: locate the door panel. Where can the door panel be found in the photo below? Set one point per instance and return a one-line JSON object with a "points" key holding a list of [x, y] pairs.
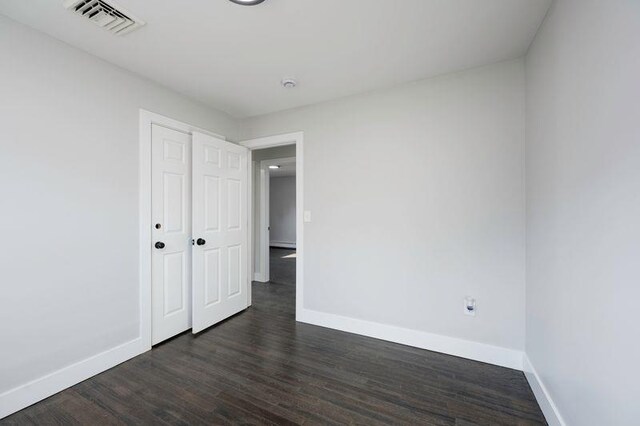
{"points": [[234, 197], [171, 210], [174, 283], [212, 276], [235, 257], [212, 204], [174, 204], [220, 218]]}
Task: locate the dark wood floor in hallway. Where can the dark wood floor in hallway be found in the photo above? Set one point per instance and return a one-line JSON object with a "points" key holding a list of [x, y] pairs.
{"points": [[261, 367]]}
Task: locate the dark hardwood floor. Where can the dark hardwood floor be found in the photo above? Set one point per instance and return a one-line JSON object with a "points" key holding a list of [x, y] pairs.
{"points": [[282, 266], [261, 367]]}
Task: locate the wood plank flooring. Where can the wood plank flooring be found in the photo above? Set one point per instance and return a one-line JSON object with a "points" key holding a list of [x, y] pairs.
{"points": [[261, 367], [282, 266]]}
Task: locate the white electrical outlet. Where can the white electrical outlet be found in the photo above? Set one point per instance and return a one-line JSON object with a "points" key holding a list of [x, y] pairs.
{"points": [[470, 307], [307, 216]]}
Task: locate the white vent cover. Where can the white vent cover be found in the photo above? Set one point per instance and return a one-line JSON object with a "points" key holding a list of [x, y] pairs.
{"points": [[107, 15]]}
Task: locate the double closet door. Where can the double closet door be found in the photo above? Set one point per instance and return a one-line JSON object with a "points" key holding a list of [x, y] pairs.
{"points": [[200, 236]]}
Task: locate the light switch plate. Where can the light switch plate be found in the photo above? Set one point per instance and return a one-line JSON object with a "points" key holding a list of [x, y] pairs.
{"points": [[307, 215]]}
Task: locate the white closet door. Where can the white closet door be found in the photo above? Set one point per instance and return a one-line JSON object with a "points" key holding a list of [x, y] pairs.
{"points": [[220, 221], [171, 223]]}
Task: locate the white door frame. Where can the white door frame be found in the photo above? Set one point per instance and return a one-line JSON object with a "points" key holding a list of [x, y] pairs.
{"points": [[296, 139], [264, 220], [147, 119]]}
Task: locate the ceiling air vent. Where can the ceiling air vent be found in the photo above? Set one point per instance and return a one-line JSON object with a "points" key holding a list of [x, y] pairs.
{"points": [[107, 15]]}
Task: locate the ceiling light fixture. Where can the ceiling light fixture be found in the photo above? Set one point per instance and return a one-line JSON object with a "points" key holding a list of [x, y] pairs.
{"points": [[289, 83], [247, 2], [274, 167]]}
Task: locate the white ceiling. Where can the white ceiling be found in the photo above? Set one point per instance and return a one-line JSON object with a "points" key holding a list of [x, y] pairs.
{"points": [[233, 57]]}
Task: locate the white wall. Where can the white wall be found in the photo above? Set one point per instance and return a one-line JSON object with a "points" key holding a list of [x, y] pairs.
{"points": [[583, 209], [282, 210], [69, 201], [417, 200]]}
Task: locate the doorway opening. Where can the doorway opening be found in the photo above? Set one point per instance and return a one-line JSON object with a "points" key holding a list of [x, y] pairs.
{"points": [[222, 266], [274, 211], [277, 219]]}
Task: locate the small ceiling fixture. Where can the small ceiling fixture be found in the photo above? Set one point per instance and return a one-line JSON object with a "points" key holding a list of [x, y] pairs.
{"points": [[274, 167], [247, 2], [289, 83]]}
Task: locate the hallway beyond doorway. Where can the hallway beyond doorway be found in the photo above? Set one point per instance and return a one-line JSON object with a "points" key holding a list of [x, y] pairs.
{"points": [[282, 263]]}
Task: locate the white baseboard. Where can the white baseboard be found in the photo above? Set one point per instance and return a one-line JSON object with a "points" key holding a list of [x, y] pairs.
{"points": [[282, 244], [259, 278], [25, 395], [497, 355], [549, 409]]}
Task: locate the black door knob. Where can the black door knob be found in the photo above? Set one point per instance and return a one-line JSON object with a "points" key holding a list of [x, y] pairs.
{"points": [[201, 242], [159, 245]]}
